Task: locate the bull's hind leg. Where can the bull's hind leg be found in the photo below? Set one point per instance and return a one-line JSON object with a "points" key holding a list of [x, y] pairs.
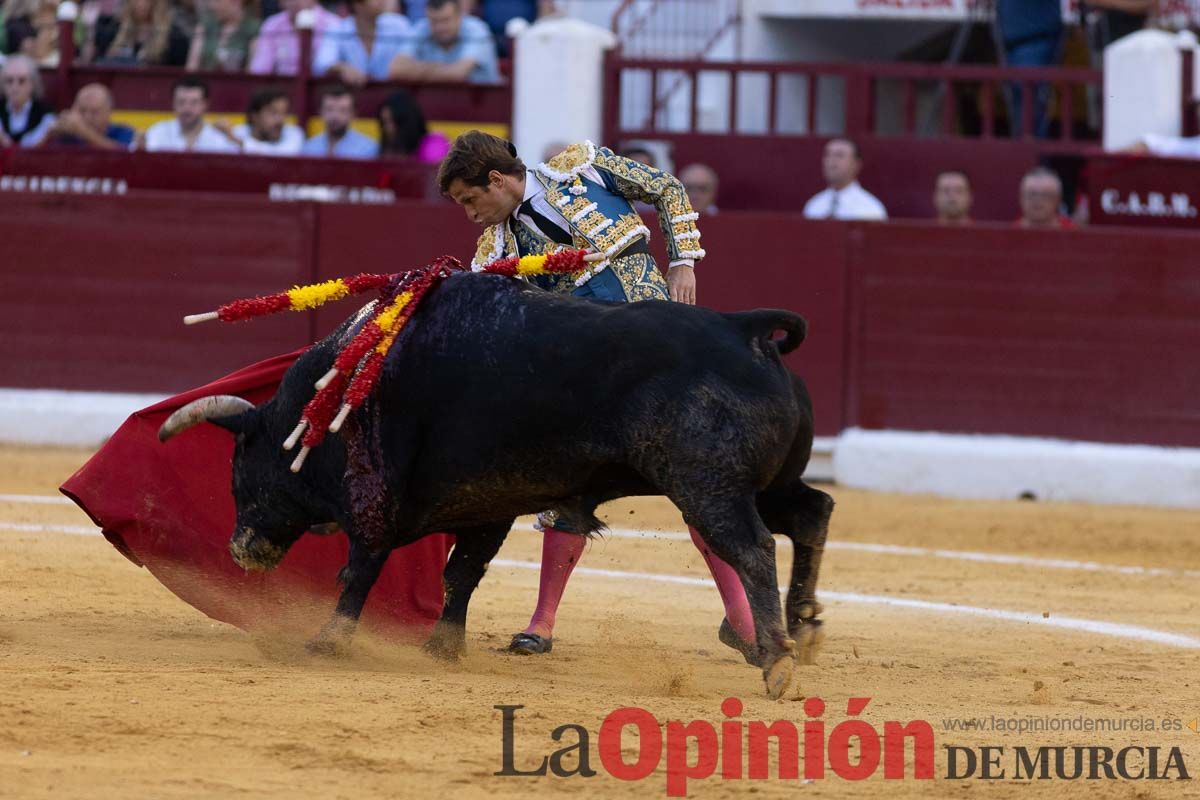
{"points": [[801, 513], [357, 577], [474, 548], [734, 531]]}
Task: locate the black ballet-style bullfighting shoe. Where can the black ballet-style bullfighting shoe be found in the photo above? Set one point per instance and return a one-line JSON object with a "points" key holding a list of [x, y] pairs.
{"points": [[530, 644], [729, 637]]}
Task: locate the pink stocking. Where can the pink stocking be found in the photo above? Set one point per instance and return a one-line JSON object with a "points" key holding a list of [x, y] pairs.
{"points": [[729, 584], [560, 553]]}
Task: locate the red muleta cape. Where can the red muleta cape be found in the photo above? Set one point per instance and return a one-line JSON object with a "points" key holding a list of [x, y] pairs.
{"points": [[169, 507]]}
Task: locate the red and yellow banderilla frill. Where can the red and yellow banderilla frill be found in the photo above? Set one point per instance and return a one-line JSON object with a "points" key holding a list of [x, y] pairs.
{"points": [[359, 364]]}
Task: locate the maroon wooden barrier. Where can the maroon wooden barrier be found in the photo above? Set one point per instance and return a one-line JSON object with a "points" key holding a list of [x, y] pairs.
{"points": [[84, 171], [775, 173], [1143, 192], [781, 261], [93, 289], [1083, 334], [1079, 335]]}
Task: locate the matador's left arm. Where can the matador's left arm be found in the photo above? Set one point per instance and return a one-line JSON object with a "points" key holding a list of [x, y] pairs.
{"points": [[637, 181]]}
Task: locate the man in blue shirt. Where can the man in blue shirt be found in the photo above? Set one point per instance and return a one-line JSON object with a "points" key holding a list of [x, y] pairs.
{"points": [[448, 46], [88, 123], [339, 140], [361, 46]]}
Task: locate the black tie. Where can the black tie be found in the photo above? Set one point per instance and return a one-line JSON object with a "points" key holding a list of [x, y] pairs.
{"points": [[552, 231]]}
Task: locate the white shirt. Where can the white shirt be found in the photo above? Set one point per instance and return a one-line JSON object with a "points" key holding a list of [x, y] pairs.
{"points": [[536, 193], [1172, 146], [289, 144], [850, 202], [168, 135], [18, 118]]}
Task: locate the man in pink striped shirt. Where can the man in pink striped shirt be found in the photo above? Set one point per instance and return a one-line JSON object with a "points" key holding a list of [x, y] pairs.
{"points": [[277, 51]]}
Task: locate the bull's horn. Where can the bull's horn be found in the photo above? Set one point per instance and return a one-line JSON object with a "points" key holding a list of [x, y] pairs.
{"points": [[214, 406]]}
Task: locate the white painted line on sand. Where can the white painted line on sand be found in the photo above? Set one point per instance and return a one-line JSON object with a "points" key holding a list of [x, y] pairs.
{"points": [[1134, 632], [1119, 630], [74, 530], [1007, 559], [36, 499], [930, 552]]}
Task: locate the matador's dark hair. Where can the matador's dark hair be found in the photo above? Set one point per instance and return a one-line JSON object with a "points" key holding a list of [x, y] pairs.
{"points": [[474, 155]]}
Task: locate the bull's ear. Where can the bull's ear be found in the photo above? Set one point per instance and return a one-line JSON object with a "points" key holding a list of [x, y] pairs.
{"points": [[238, 423]]}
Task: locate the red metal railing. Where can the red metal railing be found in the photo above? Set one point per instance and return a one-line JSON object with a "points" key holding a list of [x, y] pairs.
{"points": [[858, 107], [150, 87]]}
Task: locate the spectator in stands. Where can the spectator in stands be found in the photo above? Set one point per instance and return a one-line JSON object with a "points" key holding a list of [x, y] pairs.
{"points": [[1110, 20], [223, 37], [151, 33], [414, 10], [31, 29], [266, 130], [701, 183], [1041, 200], [448, 46], [99, 21], [845, 198], [639, 153], [187, 132], [361, 46], [24, 117], [277, 51], [88, 122], [952, 197], [403, 132], [339, 140], [1031, 32], [498, 13]]}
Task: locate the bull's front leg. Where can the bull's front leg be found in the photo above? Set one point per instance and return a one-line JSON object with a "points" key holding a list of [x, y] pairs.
{"points": [[474, 548], [357, 578]]}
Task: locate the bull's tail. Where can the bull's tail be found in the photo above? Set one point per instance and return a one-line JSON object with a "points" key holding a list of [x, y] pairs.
{"points": [[763, 323]]}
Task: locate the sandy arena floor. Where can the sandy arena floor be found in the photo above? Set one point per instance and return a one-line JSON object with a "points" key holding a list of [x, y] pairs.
{"points": [[112, 687]]}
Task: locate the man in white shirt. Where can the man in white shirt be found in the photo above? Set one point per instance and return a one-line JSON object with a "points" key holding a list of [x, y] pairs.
{"points": [[266, 131], [845, 198], [188, 132]]}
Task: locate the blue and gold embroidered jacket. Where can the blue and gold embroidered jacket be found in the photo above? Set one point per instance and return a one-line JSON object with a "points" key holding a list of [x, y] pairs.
{"points": [[601, 218]]}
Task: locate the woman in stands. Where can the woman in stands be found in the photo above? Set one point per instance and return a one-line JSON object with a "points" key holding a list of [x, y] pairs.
{"points": [[403, 132], [152, 32], [223, 37]]}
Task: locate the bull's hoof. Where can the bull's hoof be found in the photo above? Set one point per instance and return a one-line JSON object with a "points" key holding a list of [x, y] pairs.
{"points": [[530, 644], [779, 676], [809, 636], [729, 637], [325, 647]]}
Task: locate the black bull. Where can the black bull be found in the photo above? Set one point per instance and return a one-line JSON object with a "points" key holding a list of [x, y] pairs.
{"points": [[502, 400]]}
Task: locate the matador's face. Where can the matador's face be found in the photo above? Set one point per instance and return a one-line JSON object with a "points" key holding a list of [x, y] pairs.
{"points": [[489, 204]]}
